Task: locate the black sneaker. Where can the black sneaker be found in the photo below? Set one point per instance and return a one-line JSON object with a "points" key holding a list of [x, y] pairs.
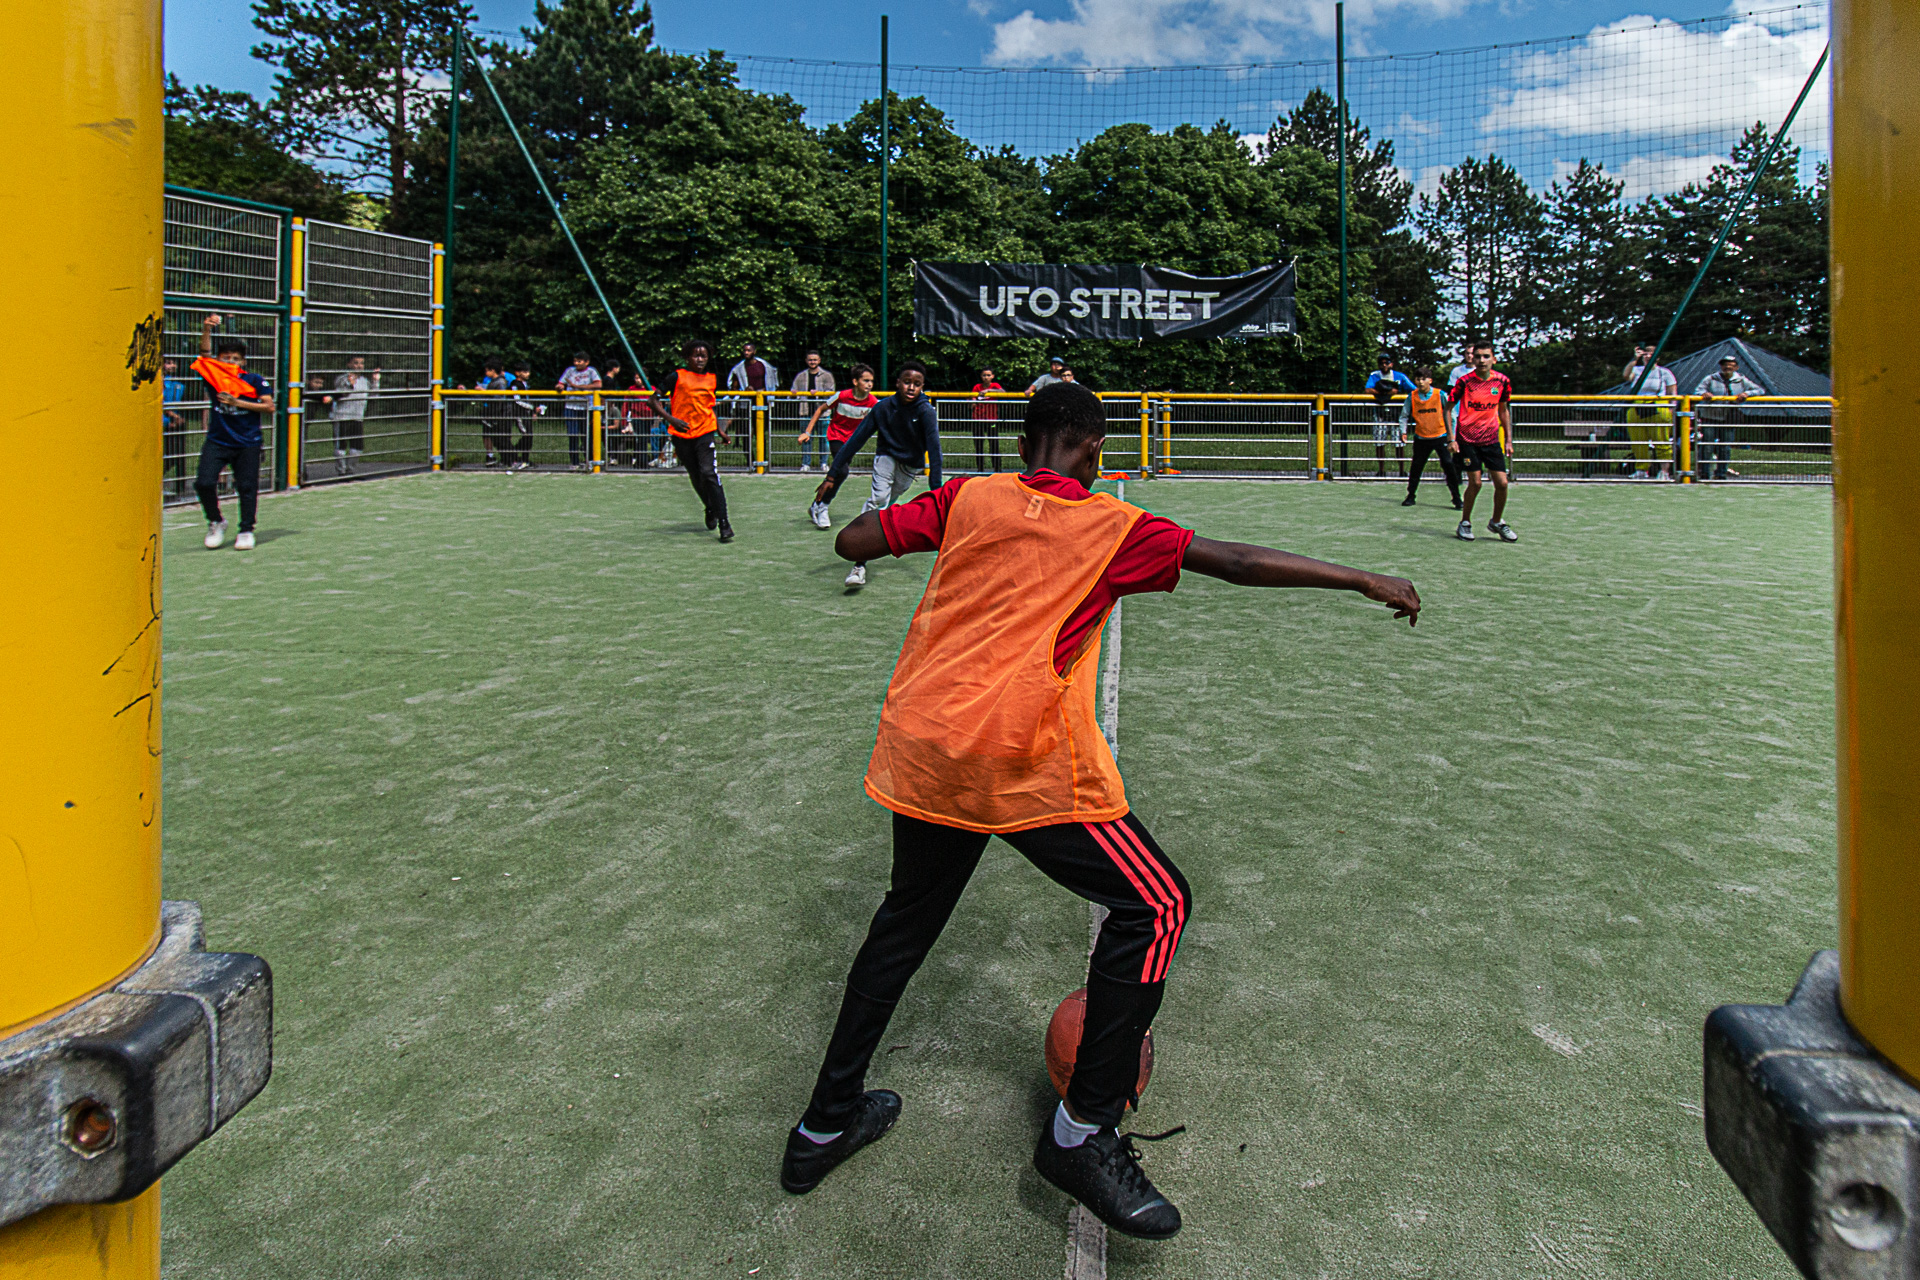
{"points": [[1456, 504], [1103, 1173], [726, 532], [713, 521], [1408, 502], [807, 1161]]}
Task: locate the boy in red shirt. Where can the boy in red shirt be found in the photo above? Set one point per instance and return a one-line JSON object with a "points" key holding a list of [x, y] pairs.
{"points": [[986, 420], [1482, 417], [989, 728], [849, 409]]}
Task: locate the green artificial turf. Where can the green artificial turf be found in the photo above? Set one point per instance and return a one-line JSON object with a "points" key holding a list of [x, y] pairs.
{"points": [[546, 809]]}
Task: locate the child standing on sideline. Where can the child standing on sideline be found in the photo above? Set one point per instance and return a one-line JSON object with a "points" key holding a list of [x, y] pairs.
{"points": [[579, 376], [1387, 385], [1481, 419], [1425, 412], [233, 432], [849, 409], [496, 426], [989, 728], [688, 409], [348, 413], [986, 419], [909, 430]]}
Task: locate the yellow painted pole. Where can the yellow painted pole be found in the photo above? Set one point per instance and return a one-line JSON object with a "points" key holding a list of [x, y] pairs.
{"points": [[596, 433], [1146, 436], [80, 723], [1687, 424], [1876, 182], [296, 442], [437, 418], [760, 432], [1320, 438]]}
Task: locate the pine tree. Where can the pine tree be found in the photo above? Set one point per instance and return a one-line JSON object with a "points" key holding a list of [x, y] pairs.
{"points": [[1492, 230]]}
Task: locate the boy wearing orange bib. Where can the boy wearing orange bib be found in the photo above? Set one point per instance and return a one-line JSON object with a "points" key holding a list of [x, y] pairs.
{"points": [[989, 728], [689, 414], [1424, 413]]}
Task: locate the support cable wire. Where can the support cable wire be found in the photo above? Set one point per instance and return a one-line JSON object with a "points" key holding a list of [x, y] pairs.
{"points": [[561, 218], [1733, 214]]}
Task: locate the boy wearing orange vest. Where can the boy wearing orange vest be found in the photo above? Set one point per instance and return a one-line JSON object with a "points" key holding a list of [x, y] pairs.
{"points": [[989, 728], [689, 414], [1425, 412]]}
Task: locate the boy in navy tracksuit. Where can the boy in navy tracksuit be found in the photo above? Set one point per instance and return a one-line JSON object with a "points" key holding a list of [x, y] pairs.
{"points": [[233, 438], [909, 431]]}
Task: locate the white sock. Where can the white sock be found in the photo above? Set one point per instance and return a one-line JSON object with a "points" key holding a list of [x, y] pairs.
{"points": [[819, 1139], [1067, 1132]]}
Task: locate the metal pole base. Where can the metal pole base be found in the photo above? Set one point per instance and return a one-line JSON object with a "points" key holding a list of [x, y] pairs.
{"points": [[1817, 1131]]}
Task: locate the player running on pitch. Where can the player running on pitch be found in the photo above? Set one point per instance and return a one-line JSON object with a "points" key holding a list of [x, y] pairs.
{"points": [[989, 728], [846, 412], [688, 413], [1482, 417], [909, 430]]}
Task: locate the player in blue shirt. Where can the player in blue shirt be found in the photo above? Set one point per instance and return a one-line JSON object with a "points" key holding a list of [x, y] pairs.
{"points": [[1389, 387], [233, 433]]}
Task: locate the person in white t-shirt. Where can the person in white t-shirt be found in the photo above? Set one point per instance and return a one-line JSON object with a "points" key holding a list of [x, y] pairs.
{"points": [[1650, 426]]}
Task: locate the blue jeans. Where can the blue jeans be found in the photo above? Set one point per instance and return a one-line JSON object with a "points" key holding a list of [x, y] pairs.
{"points": [[658, 439], [576, 434], [1718, 453], [817, 441]]}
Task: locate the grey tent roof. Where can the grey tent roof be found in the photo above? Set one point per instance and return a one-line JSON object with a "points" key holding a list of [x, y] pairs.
{"points": [[1779, 375]]}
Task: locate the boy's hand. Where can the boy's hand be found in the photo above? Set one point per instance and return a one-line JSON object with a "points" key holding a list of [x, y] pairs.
{"points": [[1397, 594], [722, 433], [211, 322]]}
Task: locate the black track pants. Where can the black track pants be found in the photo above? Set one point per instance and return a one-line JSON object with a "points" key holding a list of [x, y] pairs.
{"points": [[1116, 864], [1449, 465], [245, 461], [700, 457]]}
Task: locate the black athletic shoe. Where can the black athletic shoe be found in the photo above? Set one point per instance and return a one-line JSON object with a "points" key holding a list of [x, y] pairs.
{"points": [[713, 520], [1408, 502], [1456, 504], [807, 1161], [1103, 1173], [726, 532]]}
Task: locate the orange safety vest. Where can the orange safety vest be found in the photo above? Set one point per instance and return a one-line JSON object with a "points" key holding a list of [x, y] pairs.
{"points": [[978, 730], [692, 403], [224, 377], [1429, 415]]}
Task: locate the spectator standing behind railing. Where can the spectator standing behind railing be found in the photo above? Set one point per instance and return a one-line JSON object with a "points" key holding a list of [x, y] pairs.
{"points": [[1054, 365], [1650, 427], [173, 428], [1389, 389], [986, 419], [496, 415], [818, 386], [578, 376], [1716, 421], [751, 373], [627, 421], [520, 455], [351, 390]]}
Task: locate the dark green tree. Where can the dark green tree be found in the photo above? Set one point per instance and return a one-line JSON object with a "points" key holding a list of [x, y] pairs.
{"points": [[1492, 230], [1591, 281], [226, 142]]}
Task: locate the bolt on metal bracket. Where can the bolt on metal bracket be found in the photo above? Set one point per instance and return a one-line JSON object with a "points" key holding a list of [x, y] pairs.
{"points": [[1820, 1134], [99, 1102]]}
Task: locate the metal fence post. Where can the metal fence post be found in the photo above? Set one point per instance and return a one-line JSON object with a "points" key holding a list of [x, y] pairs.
{"points": [[760, 412], [437, 414], [1146, 437], [1683, 422], [596, 433], [295, 445], [1320, 438]]}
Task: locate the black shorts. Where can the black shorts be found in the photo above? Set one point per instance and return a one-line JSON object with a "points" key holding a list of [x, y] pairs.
{"points": [[1479, 457]]}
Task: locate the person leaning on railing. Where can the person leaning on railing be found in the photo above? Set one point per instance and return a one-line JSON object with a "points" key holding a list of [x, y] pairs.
{"points": [[817, 384], [1716, 421], [1650, 426]]}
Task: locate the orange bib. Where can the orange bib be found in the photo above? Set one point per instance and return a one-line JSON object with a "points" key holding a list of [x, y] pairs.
{"points": [[978, 731], [224, 377], [1429, 415], [692, 403]]}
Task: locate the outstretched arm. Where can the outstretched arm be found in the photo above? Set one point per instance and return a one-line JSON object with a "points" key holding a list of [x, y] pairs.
{"points": [[862, 540], [1245, 565]]}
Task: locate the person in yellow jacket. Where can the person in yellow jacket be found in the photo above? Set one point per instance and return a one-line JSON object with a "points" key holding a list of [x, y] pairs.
{"points": [[989, 728]]}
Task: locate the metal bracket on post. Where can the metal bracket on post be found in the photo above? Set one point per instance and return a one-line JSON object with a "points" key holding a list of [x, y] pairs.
{"points": [[99, 1102], [1820, 1134]]}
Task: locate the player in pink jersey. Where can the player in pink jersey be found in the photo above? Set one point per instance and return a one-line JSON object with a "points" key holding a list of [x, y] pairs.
{"points": [[848, 410], [1482, 417]]}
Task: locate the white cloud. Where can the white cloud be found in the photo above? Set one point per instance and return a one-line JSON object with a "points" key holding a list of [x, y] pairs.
{"points": [[1141, 33], [1643, 176], [1643, 78]]}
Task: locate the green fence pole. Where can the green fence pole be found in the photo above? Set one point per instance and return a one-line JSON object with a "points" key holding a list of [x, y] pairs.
{"points": [[453, 154], [886, 146], [1340, 91]]}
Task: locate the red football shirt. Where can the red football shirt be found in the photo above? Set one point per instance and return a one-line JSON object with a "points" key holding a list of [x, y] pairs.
{"points": [[1477, 402], [1148, 559]]}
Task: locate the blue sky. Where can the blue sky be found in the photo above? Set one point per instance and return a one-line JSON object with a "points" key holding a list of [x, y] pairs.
{"points": [[207, 40]]}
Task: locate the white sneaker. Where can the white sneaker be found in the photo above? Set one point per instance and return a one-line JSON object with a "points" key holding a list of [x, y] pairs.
{"points": [[1639, 475], [818, 514], [1500, 527], [216, 534], [858, 576], [806, 467], [1465, 531], [245, 541]]}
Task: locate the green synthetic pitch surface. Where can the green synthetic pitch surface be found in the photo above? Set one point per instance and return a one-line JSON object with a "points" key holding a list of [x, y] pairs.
{"points": [[546, 809]]}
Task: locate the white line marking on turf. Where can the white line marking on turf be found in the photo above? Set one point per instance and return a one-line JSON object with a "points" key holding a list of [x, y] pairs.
{"points": [[1086, 1234]]}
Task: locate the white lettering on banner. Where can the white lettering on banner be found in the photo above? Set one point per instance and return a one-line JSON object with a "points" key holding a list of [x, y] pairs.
{"points": [[993, 311], [1206, 304], [1014, 294], [1106, 297], [1175, 311], [1130, 304], [1156, 298], [1052, 304], [1077, 305]]}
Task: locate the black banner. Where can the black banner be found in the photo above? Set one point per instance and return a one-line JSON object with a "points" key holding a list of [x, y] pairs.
{"points": [[1034, 300]]}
